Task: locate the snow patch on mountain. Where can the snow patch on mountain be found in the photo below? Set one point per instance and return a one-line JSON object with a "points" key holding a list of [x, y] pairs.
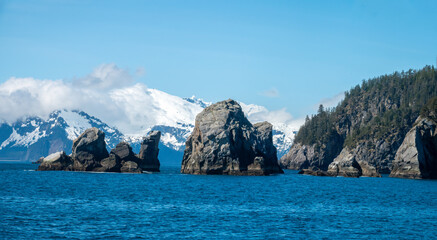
{"points": [[15, 139], [76, 124], [143, 108], [198, 101]]}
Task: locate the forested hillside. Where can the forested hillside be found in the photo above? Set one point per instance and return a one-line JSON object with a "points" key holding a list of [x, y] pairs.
{"points": [[370, 122]]}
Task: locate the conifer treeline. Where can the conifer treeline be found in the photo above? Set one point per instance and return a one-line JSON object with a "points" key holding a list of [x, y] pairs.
{"points": [[374, 109]]}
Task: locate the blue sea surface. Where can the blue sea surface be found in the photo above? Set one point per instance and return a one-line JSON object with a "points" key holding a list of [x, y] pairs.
{"points": [[78, 205]]}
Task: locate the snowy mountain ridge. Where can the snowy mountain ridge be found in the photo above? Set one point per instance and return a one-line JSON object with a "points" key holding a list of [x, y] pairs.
{"points": [[33, 137]]}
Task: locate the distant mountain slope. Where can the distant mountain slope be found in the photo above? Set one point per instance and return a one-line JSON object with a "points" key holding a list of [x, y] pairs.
{"points": [[31, 138], [370, 123]]}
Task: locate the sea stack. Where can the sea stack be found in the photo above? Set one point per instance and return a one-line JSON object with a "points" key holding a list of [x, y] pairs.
{"points": [[89, 154], [225, 142], [149, 152]]}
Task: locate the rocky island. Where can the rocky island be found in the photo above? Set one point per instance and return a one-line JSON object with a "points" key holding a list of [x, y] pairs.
{"points": [[89, 154], [225, 142], [383, 126]]}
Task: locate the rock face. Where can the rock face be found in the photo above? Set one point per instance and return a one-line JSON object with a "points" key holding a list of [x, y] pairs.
{"points": [[124, 152], [417, 156], [298, 157], [346, 165], [127, 158], [89, 154], [89, 149], [225, 142], [317, 156], [110, 164], [149, 152]]}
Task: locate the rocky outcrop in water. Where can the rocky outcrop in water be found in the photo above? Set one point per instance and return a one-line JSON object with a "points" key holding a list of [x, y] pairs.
{"points": [[56, 161], [90, 154], [149, 152], [417, 156], [346, 165], [314, 172], [225, 142]]}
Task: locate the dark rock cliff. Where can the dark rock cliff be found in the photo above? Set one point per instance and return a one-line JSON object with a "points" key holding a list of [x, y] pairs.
{"points": [[225, 142]]}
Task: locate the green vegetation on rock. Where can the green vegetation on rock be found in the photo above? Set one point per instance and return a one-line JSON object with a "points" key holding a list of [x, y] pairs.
{"points": [[370, 123], [377, 108]]}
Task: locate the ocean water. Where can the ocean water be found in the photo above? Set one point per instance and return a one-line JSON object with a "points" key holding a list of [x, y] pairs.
{"points": [[75, 205]]}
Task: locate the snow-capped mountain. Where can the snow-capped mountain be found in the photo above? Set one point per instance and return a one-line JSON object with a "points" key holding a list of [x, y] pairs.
{"points": [[34, 137]]}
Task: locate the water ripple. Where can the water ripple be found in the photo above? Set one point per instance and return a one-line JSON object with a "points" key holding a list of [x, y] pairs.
{"points": [[42, 205]]}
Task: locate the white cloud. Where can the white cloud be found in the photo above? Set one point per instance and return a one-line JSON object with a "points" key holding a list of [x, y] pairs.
{"points": [[21, 97], [271, 93], [106, 76], [331, 102], [109, 93], [283, 120]]}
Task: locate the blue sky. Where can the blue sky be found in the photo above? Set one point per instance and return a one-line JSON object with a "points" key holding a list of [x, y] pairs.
{"points": [[280, 54]]}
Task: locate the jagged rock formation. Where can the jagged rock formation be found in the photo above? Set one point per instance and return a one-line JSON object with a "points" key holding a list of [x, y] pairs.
{"points": [[225, 142], [89, 149], [370, 124], [346, 165], [149, 151], [89, 154], [417, 156]]}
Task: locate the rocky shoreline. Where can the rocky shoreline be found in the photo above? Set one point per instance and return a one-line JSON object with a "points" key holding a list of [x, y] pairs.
{"points": [[224, 142], [416, 158]]}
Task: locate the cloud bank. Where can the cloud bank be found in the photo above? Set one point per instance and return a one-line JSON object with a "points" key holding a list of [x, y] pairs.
{"points": [[279, 118], [111, 94], [94, 94]]}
